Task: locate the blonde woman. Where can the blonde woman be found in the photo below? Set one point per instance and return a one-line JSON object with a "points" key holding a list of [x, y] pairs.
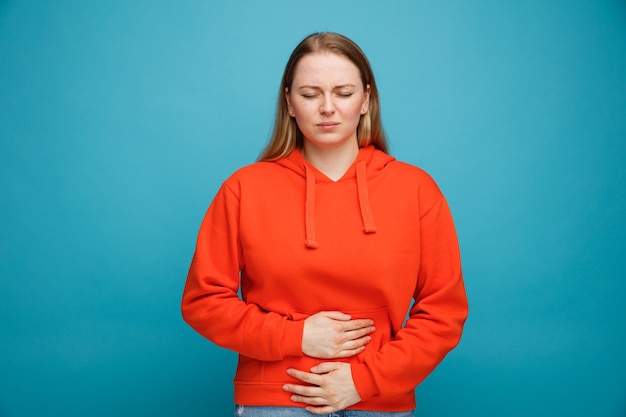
{"points": [[332, 242]]}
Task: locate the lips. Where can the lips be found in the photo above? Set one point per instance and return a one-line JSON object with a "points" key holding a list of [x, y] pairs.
{"points": [[327, 125]]}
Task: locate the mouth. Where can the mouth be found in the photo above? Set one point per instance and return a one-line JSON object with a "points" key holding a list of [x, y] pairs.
{"points": [[327, 125]]}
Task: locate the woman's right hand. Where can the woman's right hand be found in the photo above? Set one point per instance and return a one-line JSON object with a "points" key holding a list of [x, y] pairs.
{"points": [[334, 335]]}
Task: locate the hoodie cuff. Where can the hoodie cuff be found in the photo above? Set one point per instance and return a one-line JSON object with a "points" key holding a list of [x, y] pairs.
{"points": [[364, 381], [292, 338]]}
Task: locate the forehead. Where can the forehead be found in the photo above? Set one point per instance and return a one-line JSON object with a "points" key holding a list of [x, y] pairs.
{"points": [[326, 68]]}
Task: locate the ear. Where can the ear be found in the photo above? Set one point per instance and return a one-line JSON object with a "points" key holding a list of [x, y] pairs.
{"points": [[288, 99], [366, 100]]}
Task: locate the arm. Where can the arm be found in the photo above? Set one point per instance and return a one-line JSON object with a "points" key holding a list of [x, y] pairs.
{"points": [[435, 320], [211, 304], [432, 330]]}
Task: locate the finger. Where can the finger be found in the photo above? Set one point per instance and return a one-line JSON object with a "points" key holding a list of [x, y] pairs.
{"points": [[303, 391], [337, 315], [353, 344], [310, 378], [353, 340], [321, 410], [359, 333], [309, 400], [349, 353], [358, 324], [324, 368], [356, 345]]}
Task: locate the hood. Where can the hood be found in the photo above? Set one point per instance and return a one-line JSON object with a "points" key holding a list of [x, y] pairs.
{"points": [[368, 164]]}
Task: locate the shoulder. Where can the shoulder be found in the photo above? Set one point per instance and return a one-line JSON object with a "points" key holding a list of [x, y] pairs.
{"points": [[252, 171], [415, 177], [252, 176]]}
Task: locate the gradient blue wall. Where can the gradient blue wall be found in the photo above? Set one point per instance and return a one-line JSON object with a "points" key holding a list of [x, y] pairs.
{"points": [[119, 120]]}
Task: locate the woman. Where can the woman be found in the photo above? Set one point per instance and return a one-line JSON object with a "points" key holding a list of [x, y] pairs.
{"points": [[331, 242]]}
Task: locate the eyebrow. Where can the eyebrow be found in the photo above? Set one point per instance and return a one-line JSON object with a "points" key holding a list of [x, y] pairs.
{"points": [[315, 87]]}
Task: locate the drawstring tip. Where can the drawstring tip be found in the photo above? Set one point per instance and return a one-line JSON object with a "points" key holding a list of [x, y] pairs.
{"points": [[311, 244], [370, 228]]}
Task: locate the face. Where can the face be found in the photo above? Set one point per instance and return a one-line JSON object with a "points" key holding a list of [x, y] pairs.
{"points": [[327, 99]]}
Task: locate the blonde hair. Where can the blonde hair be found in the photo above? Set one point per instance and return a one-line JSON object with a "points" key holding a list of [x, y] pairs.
{"points": [[286, 135]]}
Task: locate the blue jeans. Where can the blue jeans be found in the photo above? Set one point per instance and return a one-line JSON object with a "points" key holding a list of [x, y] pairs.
{"points": [[246, 411]]}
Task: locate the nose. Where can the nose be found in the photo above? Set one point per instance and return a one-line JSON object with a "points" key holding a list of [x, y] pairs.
{"points": [[327, 106]]}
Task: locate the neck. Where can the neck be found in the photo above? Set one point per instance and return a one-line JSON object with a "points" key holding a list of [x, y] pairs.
{"points": [[332, 161]]}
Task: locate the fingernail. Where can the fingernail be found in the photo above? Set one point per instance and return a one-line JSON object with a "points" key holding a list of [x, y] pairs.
{"points": [[286, 387]]}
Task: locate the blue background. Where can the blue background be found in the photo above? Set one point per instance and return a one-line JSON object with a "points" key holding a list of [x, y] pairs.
{"points": [[120, 119]]}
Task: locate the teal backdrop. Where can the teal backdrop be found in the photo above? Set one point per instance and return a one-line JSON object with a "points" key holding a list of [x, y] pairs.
{"points": [[120, 119]]}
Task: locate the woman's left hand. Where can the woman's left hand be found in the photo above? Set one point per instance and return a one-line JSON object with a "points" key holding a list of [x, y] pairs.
{"points": [[333, 388]]}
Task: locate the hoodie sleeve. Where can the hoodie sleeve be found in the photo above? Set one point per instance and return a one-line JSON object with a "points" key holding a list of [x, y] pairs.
{"points": [[435, 320], [211, 304]]}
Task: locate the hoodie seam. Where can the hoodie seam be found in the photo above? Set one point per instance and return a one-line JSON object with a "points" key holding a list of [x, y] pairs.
{"points": [[436, 203], [229, 188]]}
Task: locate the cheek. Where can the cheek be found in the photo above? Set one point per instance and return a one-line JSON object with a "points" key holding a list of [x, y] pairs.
{"points": [[354, 110], [303, 108]]}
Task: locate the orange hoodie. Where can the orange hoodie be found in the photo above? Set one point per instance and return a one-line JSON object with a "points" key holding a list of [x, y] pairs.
{"points": [[300, 243]]}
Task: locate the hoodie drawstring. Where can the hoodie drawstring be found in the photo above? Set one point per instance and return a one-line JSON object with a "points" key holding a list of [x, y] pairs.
{"points": [[364, 198], [309, 210], [309, 207]]}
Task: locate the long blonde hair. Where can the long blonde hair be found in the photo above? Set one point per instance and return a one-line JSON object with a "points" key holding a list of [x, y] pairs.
{"points": [[287, 136]]}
